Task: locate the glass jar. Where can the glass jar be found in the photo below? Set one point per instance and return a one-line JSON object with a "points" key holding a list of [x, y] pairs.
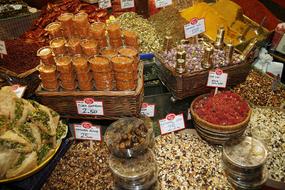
{"points": [[134, 173]]}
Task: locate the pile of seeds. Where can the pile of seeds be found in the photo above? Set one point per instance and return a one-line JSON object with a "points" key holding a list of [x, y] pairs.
{"points": [[148, 36], [258, 90], [169, 22], [187, 162], [84, 166], [268, 125]]}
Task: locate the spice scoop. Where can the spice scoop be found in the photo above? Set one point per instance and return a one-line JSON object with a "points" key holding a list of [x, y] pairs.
{"points": [[129, 137]]}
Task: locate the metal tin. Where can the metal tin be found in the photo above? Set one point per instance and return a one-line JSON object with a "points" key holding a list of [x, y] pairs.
{"points": [[207, 62], [248, 49], [219, 43]]}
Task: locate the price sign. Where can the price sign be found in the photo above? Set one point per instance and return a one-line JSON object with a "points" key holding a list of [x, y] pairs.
{"points": [[162, 3], [89, 106], [195, 27], [171, 123], [19, 90], [148, 109], [3, 48], [125, 4], [217, 79], [86, 131], [104, 4]]}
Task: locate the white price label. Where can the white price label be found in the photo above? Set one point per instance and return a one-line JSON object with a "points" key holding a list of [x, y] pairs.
{"points": [[217, 79], [171, 123], [162, 3], [195, 27], [86, 131], [19, 90], [104, 4], [148, 109], [125, 4], [89, 106], [3, 48]]}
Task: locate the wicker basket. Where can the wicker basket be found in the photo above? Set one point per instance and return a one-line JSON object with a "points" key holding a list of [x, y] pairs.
{"points": [[190, 84], [217, 134], [116, 104]]}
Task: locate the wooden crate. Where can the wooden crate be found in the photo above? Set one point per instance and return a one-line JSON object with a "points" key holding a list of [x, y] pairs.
{"points": [[116, 104], [191, 84]]}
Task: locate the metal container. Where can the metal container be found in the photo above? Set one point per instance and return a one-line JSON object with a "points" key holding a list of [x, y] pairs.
{"points": [[244, 162], [135, 173]]}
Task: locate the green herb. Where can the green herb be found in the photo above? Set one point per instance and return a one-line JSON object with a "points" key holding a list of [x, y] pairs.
{"points": [[34, 103], [11, 145], [27, 131], [21, 159], [45, 136], [53, 113], [42, 117], [19, 109], [43, 152], [60, 130]]}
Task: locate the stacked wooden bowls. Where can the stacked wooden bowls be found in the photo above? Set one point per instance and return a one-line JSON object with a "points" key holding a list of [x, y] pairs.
{"points": [[217, 134]]}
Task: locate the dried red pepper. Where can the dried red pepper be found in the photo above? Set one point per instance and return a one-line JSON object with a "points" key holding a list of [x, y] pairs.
{"points": [[225, 108]]}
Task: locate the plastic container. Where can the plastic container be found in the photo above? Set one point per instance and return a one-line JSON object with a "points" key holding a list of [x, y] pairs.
{"points": [[103, 76], [100, 64], [109, 52], [54, 30], [68, 85], [124, 76], [67, 24], [80, 64], [81, 24], [125, 85], [244, 162], [131, 38], [135, 173], [47, 72], [45, 54], [63, 63], [58, 45], [114, 31], [122, 64], [116, 43], [102, 43], [129, 137], [50, 85], [86, 85], [102, 85], [98, 30], [82, 77], [89, 47], [67, 76], [73, 46]]}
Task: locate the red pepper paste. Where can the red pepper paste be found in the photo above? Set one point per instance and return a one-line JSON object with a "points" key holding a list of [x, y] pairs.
{"points": [[225, 108]]}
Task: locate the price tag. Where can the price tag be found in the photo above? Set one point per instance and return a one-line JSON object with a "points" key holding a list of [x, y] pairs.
{"points": [[86, 131], [162, 3], [217, 79], [19, 90], [195, 27], [3, 48], [125, 4], [104, 4], [171, 123], [148, 109], [89, 106]]}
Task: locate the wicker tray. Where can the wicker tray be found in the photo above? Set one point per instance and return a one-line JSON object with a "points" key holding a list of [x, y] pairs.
{"points": [[191, 84], [116, 104]]}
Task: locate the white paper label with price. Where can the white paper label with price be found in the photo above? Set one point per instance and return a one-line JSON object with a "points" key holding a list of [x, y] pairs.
{"points": [[19, 90], [171, 123], [217, 79], [3, 48], [195, 27], [148, 109], [162, 3], [89, 106], [104, 4], [86, 131], [125, 4]]}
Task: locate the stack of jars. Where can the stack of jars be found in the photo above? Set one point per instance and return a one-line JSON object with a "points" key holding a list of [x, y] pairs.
{"points": [[123, 69], [47, 69], [84, 76], [115, 35], [80, 52], [102, 72], [132, 162]]}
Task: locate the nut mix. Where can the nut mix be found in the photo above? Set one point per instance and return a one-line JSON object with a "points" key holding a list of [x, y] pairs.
{"points": [[258, 90], [187, 162], [84, 166], [268, 125]]}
